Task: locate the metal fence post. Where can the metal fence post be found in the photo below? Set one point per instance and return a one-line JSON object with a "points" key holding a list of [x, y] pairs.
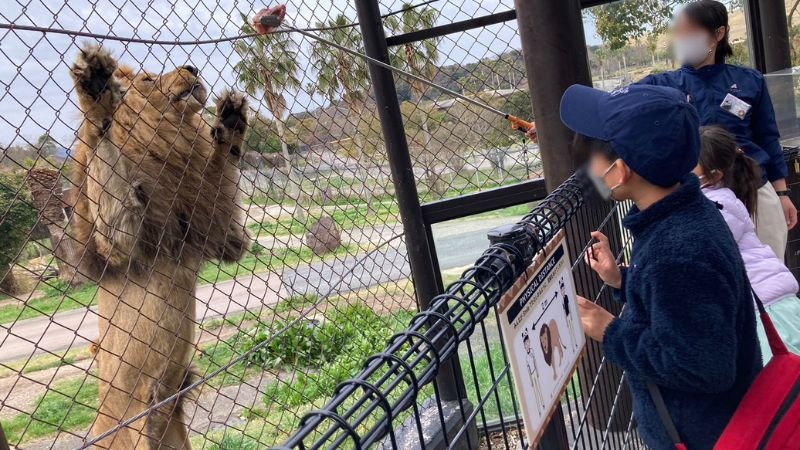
{"points": [[554, 49], [449, 380], [3, 440]]}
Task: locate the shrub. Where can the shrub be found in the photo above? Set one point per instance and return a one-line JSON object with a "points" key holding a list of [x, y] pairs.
{"points": [[17, 219], [257, 249], [308, 343], [368, 333]]}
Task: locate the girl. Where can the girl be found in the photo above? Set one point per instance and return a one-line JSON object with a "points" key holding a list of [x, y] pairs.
{"points": [[731, 179]]}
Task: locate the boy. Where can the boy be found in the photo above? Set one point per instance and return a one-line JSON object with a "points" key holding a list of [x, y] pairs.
{"points": [[688, 326]]}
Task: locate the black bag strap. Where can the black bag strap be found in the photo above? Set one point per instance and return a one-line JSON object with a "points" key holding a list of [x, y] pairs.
{"points": [[663, 413]]}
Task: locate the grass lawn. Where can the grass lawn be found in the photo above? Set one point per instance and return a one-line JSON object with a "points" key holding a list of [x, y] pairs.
{"points": [[43, 362], [346, 217], [70, 405], [283, 406], [59, 298], [267, 260]]}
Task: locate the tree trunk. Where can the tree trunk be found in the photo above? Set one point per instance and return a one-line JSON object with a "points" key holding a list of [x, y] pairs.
{"points": [[292, 180], [429, 160], [624, 62], [8, 283], [47, 197]]}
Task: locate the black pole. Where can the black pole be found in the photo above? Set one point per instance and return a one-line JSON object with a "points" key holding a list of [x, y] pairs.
{"points": [[775, 29], [770, 48], [449, 380], [554, 49], [3, 440]]}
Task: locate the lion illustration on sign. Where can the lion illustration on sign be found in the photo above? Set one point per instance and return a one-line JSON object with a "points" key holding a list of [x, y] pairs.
{"points": [[157, 198], [552, 347]]}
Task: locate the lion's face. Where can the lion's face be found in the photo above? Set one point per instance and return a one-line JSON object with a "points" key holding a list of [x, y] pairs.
{"points": [[180, 91]]}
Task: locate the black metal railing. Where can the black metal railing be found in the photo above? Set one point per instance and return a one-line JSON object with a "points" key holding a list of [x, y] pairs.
{"points": [[364, 408]]}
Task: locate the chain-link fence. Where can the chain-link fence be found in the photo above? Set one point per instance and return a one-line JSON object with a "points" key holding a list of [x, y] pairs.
{"points": [[382, 404], [199, 234]]}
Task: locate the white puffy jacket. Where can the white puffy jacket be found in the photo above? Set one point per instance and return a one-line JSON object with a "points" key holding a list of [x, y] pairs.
{"points": [[770, 278]]}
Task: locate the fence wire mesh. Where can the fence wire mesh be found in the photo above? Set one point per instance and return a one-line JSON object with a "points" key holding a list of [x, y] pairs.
{"points": [[382, 404], [199, 239]]}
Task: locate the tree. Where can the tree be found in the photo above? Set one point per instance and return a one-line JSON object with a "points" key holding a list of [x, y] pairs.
{"points": [[342, 77], [419, 58], [651, 42], [270, 64], [18, 219], [46, 146], [262, 137], [618, 23], [794, 31], [602, 54]]}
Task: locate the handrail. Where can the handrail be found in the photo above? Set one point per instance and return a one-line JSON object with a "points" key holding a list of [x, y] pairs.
{"points": [[362, 408]]}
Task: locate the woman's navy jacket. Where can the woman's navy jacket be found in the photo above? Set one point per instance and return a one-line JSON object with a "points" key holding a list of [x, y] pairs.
{"points": [[757, 133]]}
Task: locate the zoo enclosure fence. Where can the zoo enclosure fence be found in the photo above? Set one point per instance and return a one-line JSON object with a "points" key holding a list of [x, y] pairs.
{"points": [[339, 293]]}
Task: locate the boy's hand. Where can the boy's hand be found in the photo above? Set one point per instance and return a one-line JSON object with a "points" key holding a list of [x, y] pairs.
{"points": [[601, 259], [594, 318]]}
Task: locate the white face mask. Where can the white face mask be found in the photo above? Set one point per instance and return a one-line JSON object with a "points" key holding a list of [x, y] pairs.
{"points": [[691, 49], [600, 183]]}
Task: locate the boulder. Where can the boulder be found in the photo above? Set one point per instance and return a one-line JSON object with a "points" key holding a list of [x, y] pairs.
{"points": [[324, 236]]}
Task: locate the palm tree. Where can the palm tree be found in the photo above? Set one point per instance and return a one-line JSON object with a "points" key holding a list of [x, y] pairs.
{"points": [[269, 64], [419, 58], [341, 76]]}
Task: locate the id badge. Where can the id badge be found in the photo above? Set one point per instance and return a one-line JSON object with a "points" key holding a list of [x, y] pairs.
{"points": [[735, 106]]}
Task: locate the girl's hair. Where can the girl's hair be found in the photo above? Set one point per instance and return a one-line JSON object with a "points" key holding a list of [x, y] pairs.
{"points": [[719, 153], [711, 15]]}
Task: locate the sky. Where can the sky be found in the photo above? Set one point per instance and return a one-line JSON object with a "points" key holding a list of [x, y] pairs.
{"points": [[36, 90]]}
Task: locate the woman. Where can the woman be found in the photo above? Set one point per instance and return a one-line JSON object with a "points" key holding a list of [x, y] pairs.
{"points": [[737, 99]]}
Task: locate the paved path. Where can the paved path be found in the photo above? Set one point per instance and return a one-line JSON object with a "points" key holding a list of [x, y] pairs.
{"points": [[458, 244], [77, 328]]}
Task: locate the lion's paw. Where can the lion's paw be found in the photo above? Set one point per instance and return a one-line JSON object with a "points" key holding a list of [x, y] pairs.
{"points": [[231, 120], [93, 71]]}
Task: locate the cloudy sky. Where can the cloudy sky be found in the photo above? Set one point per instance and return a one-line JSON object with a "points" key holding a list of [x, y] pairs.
{"points": [[36, 90]]}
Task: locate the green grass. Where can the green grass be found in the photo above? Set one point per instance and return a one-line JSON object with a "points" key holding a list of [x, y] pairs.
{"points": [[295, 303], [274, 259], [43, 362], [57, 298], [347, 218], [60, 298], [340, 343], [70, 405], [498, 402]]}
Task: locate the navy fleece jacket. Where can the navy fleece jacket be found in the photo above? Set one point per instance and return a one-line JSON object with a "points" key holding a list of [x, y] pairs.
{"points": [[689, 322], [757, 133]]}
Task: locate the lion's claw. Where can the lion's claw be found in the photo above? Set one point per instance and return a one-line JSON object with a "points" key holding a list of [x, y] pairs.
{"points": [[93, 71], [231, 120]]}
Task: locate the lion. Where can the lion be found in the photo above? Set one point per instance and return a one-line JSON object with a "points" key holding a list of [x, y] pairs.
{"points": [[552, 346], [157, 197]]}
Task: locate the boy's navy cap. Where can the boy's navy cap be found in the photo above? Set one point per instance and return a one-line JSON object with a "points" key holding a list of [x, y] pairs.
{"points": [[652, 128]]}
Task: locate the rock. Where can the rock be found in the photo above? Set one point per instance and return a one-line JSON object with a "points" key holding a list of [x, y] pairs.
{"points": [[324, 236], [252, 159], [273, 160]]}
